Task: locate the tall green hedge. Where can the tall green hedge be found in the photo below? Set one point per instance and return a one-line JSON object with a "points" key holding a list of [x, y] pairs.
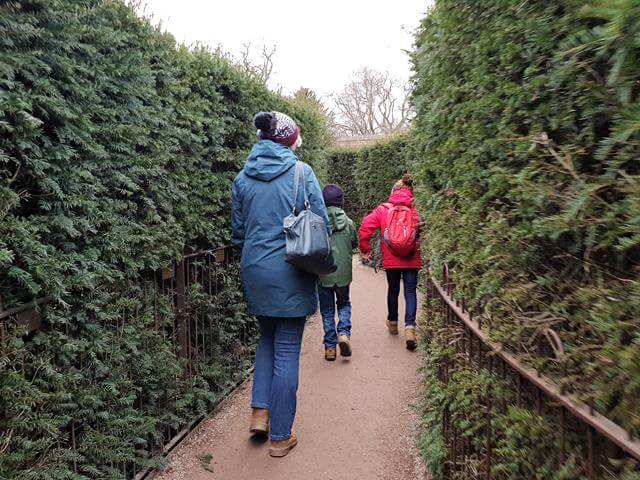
{"points": [[367, 174], [341, 165], [379, 167], [117, 152], [528, 133]]}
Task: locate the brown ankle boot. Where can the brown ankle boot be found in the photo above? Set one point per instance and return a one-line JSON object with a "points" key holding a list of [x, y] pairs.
{"points": [[410, 338], [392, 327], [330, 354], [345, 345], [259, 421], [280, 448]]}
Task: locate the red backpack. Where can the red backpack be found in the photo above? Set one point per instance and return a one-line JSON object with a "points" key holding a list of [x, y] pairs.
{"points": [[401, 232]]}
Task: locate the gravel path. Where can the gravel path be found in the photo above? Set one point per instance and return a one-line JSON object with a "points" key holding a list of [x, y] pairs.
{"points": [[355, 420]]}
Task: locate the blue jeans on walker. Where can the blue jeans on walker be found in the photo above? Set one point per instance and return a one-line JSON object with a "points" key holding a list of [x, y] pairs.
{"points": [[330, 297], [275, 379], [409, 278]]}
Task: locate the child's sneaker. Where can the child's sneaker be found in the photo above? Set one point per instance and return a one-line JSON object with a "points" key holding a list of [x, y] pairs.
{"points": [[330, 354], [410, 337], [392, 327], [345, 345]]}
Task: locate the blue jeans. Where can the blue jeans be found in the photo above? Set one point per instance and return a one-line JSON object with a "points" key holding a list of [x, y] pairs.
{"points": [[410, 280], [275, 379], [330, 297]]}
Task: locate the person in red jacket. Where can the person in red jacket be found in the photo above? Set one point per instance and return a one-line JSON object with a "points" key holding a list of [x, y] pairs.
{"points": [[398, 268]]}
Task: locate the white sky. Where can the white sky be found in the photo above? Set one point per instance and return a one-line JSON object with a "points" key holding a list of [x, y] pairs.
{"points": [[319, 44]]}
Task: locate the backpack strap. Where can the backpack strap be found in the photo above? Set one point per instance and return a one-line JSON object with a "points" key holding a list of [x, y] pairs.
{"points": [[298, 177], [389, 207]]}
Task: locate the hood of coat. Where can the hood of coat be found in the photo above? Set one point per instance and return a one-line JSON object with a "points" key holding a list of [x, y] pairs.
{"points": [[404, 196], [269, 160], [337, 218]]}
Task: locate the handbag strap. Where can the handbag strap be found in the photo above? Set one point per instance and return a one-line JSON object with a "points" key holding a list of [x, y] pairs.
{"points": [[297, 177]]}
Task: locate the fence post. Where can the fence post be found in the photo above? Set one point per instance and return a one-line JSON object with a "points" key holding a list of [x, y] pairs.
{"points": [[489, 437], [181, 318], [2, 327]]}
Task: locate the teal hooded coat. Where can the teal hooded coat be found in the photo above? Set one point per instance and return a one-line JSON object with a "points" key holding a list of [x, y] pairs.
{"points": [[262, 198]]}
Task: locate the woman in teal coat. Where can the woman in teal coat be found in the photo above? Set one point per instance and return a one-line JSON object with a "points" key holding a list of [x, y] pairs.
{"points": [[280, 295]]}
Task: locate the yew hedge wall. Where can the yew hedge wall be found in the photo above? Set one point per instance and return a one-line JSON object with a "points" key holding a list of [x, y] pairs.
{"points": [[528, 157], [367, 174], [341, 166], [117, 151]]}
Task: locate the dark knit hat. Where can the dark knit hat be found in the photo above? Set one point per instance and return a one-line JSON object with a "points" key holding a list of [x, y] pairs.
{"points": [[333, 195], [277, 127]]}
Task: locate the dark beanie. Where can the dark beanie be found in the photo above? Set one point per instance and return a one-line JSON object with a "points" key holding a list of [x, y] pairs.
{"points": [[333, 195]]}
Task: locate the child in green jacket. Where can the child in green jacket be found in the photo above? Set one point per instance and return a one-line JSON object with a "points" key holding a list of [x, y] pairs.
{"points": [[333, 289]]}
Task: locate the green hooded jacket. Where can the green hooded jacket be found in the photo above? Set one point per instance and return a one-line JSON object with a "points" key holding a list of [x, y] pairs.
{"points": [[343, 241]]}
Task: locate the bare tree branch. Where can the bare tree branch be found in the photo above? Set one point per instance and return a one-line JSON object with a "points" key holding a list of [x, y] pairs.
{"points": [[267, 62], [260, 69], [372, 103], [308, 97]]}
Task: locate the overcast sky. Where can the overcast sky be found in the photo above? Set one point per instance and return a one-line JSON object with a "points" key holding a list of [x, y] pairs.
{"points": [[319, 44]]}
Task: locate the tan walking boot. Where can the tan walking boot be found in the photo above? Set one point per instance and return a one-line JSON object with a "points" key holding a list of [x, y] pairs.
{"points": [[280, 448], [259, 421], [345, 345], [392, 327], [410, 338], [330, 354]]}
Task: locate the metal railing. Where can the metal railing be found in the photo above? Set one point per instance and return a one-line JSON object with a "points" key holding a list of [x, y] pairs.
{"points": [[593, 434], [187, 326]]}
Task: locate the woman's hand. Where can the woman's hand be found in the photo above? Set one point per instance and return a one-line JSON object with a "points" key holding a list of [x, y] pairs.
{"points": [[366, 257]]}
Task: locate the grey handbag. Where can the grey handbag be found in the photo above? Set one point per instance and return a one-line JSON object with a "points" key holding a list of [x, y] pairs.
{"points": [[308, 245]]}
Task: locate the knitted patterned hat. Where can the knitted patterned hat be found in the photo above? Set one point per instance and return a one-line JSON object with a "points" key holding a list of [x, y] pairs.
{"points": [[278, 127]]}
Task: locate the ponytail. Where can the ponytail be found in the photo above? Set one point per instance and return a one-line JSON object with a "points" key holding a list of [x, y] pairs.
{"points": [[407, 181]]}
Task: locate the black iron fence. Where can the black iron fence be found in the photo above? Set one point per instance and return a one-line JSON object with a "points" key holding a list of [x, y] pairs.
{"points": [[180, 297], [600, 442]]}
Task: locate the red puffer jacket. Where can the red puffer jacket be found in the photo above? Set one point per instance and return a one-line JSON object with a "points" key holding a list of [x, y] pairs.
{"points": [[377, 220]]}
